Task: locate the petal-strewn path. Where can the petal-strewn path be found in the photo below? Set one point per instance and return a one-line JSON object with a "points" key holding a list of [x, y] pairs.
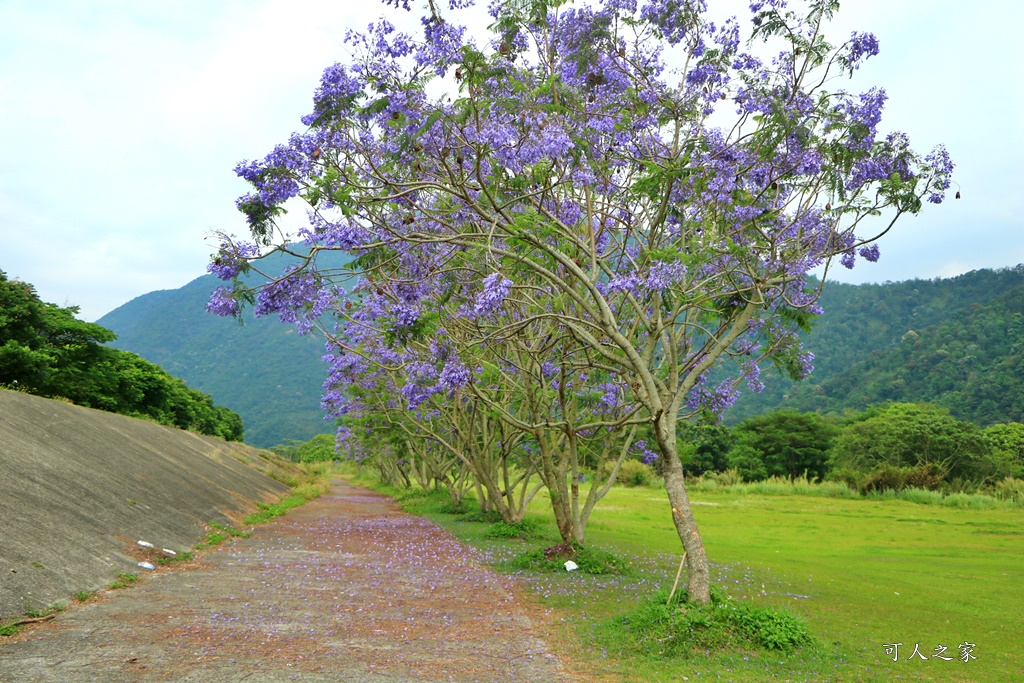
{"points": [[344, 588]]}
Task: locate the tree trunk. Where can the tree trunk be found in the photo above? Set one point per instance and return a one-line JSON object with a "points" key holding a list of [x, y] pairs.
{"points": [[699, 575]]}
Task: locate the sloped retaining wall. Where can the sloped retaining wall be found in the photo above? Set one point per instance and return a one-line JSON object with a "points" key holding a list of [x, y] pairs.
{"points": [[79, 487]]}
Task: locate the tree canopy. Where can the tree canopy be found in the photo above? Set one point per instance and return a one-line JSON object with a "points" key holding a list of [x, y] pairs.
{"points": [[555, 231], [47, 351]]}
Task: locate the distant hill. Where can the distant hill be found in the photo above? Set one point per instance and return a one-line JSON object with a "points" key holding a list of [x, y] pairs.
{"points": [[262, 369], [956, 342]]}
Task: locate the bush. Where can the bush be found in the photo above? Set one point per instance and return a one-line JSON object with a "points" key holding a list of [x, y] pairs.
{"points": [[527, 528], [681, 628], [928, 476], [481, 516], [1009, 489], [588, 560], [632, 473], [852, 478], [729, 477], [318, 449]]}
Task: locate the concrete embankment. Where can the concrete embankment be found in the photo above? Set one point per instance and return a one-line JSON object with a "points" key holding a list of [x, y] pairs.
{"points": [[80, 487]]}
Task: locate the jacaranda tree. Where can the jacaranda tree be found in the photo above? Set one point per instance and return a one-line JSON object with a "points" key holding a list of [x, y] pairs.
{"points": [[624, 176]]}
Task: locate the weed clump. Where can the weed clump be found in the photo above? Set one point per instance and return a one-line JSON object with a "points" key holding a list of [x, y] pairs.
{"points": [[525, 529], [418, 501], [123, 581], [679, 628], [486, 517], [588, 560]]}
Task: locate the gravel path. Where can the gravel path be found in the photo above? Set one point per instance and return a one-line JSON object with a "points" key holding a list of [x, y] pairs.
{"points": [[344, 588]]}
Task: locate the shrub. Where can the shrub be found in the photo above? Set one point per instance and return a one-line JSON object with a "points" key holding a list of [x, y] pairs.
{"points": [[589, 560], [852, 478], [527, 528], [885, 478], [487, 517], [928, 476], [680, 628], [632, 473], [1009, 489], [729, 477]]}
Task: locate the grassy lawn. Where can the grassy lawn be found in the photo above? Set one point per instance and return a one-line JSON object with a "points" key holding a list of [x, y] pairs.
{"points": [[861, 573]]}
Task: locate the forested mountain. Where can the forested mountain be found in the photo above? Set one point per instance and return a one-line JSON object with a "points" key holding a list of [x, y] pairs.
{"points": [[260, 368], [955, 342]]}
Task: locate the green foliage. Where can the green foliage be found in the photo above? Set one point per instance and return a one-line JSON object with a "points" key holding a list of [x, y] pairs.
{"points": [[230, 530], [786, 443], [418, 501], [484, 516], [746, 461], [1009, 489], [588, 559], [1008, 447], [45, 350], [317, 450], [212, 540], [123, 581], [525, 529], [704, 447], [266, 512], [909, 435], [84, 596], [632, 473], [729, 477], [678, 628], [180, 556], [886, 477]]}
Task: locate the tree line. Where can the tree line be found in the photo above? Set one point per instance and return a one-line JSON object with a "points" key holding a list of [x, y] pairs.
{"points": [[47, 351], [887, 446]]}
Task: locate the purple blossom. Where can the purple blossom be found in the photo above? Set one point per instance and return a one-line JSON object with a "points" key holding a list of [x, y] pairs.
{"points": [[610, 395], [752, 371], [869, 253], [496, 288], [336, 96], [941, 167], [715, 400], [454, 375], [222, 303], [862, 46], [298, 296], [232, 259], [647, 456]]}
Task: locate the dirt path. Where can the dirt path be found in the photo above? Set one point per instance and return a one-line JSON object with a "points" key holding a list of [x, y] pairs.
{"points": [[345, 588]]}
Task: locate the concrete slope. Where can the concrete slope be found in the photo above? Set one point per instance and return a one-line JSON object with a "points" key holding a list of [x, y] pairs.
{"points": [[79, 487]]}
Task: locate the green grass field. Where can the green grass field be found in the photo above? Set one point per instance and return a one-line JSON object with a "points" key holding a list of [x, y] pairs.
{"points": [[863, 574]]}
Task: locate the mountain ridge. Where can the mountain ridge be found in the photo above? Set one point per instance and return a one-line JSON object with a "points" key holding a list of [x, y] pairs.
{"points": [[272, 376]]}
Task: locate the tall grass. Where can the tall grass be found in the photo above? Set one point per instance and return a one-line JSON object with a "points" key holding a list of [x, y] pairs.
{"points": [[1008, 493]]}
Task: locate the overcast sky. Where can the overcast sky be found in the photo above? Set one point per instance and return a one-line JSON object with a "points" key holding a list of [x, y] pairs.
{"points": [[121, 122]]}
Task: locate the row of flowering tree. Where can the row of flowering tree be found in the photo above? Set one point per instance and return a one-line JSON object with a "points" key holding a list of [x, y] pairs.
{"points": [[561, 230]]}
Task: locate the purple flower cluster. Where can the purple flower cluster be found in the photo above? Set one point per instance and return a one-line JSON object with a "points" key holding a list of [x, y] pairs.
{"points": [[862, 46], [232, 259], [647, 456], [495, 289]]}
